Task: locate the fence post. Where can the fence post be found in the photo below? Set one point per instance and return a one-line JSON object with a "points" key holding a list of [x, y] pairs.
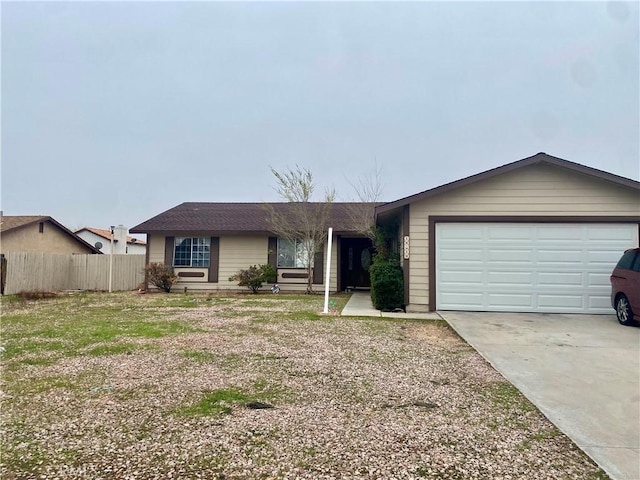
{"points": [[3, 272]]}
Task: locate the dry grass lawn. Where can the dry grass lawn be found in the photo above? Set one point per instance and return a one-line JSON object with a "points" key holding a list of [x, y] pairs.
{"points": [[128, 386]]}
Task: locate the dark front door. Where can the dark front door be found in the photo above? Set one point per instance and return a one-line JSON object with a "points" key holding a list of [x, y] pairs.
{"points": [[356, 255]]}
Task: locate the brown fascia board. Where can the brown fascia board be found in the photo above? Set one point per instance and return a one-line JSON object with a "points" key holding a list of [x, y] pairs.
{"points": [[538, 159]]}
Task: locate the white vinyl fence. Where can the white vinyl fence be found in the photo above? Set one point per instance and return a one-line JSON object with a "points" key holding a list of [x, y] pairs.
{"points": [[45, 272]]}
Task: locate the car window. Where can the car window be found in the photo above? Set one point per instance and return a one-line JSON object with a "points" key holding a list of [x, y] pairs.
{"points": [[636, 264], [627, 260]]}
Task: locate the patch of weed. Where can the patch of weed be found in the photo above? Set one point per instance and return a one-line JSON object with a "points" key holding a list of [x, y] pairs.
{"points": [[117, 349], [218, 402], [45, 384], [16, 347], [36, 361], [301, 316], [70, 333], [507, 396], [199, 356], [538, 437], [222, 401]]}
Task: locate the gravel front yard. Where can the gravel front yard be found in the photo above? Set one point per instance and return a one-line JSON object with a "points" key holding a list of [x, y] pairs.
{"points": [[102, 386]]}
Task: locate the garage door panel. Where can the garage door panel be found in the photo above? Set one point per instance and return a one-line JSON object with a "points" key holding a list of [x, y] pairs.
{"points": [[511, 278], [600, 302], [602, 256], [462, 233], [559, 301], [562, 233], [510, 300], [561, 256], [560, 279], [461, 277], [462, 255], [510, 255], [550, 268], [595, 279], [609, 233], [473, 300], [510, 233]]}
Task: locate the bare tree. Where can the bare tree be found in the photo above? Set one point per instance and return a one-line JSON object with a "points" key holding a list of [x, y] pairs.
{"points": [[368, 190], [302, 221]]}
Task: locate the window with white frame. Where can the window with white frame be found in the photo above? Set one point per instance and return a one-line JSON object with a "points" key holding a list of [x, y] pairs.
{"points": [[191, 252], [294, 253]]}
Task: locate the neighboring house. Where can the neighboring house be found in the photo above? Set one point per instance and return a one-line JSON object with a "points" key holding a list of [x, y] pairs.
{"points": [[207, 243], [122, 243], [39, 233], [540, 234]]}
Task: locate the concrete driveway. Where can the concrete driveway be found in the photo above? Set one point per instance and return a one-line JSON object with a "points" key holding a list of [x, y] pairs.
{"points": [[581, 371]]}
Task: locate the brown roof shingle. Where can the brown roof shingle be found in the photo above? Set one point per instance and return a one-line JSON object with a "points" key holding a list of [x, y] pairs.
{"points": [[236, 218]]}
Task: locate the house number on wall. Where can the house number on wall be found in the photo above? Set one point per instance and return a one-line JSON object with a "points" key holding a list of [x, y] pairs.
{"points": [[406, 247]]}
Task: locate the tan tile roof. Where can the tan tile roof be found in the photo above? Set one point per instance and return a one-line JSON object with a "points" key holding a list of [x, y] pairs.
{"points": [[235, 218], [104, 233]]}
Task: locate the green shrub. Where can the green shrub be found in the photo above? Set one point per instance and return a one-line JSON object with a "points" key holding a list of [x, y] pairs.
{"points": [[255, 276], [161, 275], [387, 284]]}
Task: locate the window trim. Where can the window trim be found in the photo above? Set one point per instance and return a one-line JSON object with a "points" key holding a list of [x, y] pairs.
{"points": [[299, 244], [202, 242]]}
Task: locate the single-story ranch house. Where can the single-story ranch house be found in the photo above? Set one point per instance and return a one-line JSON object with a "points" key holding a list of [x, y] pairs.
{"points": [[540, 234]]}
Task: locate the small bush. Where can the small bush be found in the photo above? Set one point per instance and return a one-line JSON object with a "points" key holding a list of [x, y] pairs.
{"points": [[255, 276], [387, 285], [161, 276]]}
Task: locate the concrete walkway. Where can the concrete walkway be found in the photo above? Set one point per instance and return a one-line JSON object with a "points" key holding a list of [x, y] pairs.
{"points": [[581, 371], [359, 305]]}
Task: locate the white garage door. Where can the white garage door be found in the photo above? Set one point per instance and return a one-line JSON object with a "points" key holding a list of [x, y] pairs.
{"points": [[528, 267]]}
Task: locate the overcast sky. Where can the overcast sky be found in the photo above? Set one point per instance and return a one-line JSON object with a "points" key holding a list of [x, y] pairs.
{"points": [[115, 112]]}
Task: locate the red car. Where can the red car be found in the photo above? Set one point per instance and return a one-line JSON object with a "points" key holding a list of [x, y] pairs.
{"points": [[625, 287]]}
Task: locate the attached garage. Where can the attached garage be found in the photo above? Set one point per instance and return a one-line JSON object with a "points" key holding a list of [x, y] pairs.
{"points": [[528, 267], [540, 234]]}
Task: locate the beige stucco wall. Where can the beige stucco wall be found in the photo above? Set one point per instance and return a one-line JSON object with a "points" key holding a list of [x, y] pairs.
{"points": [[539, 190], [236, 252], [51, 240]]}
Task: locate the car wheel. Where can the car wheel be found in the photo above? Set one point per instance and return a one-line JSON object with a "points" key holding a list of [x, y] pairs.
{"points": [[623, 310]]}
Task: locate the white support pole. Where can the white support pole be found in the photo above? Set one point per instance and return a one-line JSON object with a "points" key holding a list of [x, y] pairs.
{"points": [[328, 272], [111, 262]]}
